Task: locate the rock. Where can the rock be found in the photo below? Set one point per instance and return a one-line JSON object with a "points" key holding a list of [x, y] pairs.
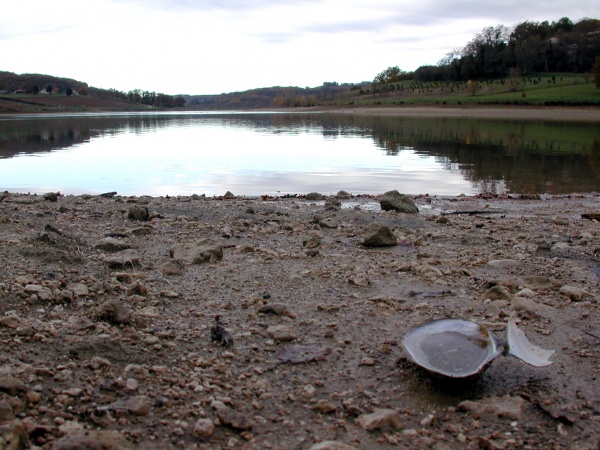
{"points": [[278, 309], [395, 201], [324, 407], [6, 412], [12, 386], [234, 419], [524, 304], [359, 279], [51, 196], [110, 244], [497, 293], [196, 252], [282, 333], [329, 222], [507, 406], [229, 194], [123, 259], [332, 445], [97, 363], [314, 196], [313, 241], [93, 440], [538, 282], [137, 212], [42, 292], [378, 234], [13, 322], [138, 405], [113, 312], [332, 204], [204, 428], [427, 271], [138, 288], [79, 290], [576, 294], [381, 419], [171, 268], [13, 435], [343, 195]]}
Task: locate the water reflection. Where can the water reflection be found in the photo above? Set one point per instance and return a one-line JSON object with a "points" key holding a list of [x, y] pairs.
{"points": [[254, 154]]}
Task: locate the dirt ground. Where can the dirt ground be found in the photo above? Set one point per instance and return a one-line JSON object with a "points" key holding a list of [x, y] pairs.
{"points": [[108, 339]]}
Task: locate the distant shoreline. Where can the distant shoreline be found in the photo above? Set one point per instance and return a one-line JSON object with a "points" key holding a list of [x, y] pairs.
{"points": [[572, 114]]}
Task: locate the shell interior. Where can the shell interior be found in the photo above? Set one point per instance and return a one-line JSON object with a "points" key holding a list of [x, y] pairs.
{"points": [[452, 347]]}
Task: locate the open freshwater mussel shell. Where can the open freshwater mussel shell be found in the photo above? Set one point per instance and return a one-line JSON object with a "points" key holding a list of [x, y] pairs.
{"points": [[452, 348], [460, 349]]}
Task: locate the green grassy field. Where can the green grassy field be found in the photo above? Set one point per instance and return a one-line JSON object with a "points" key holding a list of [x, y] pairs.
{"points": [[548, 89]]}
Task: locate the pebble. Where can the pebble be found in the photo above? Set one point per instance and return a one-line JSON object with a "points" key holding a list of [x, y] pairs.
{"points": [[204, 428], [381, 419]]}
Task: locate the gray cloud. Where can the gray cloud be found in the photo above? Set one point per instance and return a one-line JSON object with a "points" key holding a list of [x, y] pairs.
{"points": [[212, 5]]}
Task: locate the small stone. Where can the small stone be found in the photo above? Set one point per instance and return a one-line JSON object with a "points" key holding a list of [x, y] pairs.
{"points": [[79, 290], [12, 386], [497, 293], [381, 419], [576, 294], [332, 204], [6, 412], [366, 361], [204, 428], [394, 201], [234, 419], [378, 234], [171, 268], [97, 363], [113, 312], [42, 292], [110, 244], [13, 435], [324, 407], [282, 333], [123, 259], [277, 309], [329, 222], [507, 406], [196, 253], [137, 212], [138, 405], [313, 241], [11, 322], [314, 196], [503, 262]]}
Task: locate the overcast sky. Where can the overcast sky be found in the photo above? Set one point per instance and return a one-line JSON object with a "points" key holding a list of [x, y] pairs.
{"points": [[214, 46]]}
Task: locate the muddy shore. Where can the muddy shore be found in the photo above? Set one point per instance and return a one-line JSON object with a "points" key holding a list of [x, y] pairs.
{"points": [[108, 306]]}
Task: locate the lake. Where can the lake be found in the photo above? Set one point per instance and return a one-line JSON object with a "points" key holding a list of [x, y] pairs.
{"points": [[287, 153]]}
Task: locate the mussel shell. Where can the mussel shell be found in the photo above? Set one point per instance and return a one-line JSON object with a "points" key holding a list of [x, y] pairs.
{"points": [[453, 348]]}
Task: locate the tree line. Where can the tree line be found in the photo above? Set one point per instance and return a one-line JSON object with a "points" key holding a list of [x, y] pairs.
{"points": [[526, 49], [38, 84]]}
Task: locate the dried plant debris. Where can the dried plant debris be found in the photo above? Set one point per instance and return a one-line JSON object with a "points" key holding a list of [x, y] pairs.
{"points": [[220, 334], [297, 354]]}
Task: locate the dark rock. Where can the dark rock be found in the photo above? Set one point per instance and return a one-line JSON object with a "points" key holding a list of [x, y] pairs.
{"points": [[314, 196], [343, 195], [12, 386], [378, 234], [332, 203], [112, 311], [196, 252], [137, 212], [234, 419], [395, 201], [51, 196]]}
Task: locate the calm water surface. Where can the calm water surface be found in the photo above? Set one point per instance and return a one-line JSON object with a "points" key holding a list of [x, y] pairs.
{"points": [[269, 153]]}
